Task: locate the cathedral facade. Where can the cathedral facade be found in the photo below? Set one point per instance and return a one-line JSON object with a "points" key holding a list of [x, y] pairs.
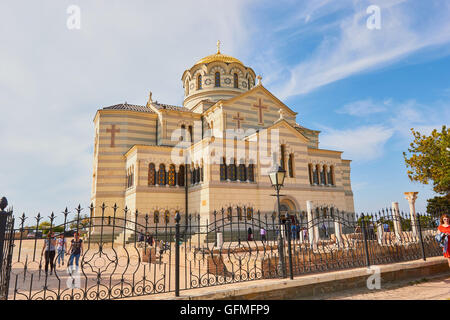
{"points": [[213, 152]]}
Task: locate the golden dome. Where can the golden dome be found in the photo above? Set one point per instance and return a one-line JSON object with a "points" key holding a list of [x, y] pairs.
{"points": [[218, 57]]}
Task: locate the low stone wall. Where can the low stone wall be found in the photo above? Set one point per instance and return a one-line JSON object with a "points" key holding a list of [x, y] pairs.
{"points": [[306, 260]]}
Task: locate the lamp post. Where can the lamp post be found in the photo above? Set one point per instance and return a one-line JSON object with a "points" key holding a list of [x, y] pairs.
{"points": [[277, 176]]}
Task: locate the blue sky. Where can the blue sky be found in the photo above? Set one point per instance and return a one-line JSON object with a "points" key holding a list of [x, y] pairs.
{"points": [[364, 89]]}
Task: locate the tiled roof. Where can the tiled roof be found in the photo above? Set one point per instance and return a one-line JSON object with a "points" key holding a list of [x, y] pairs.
{"points": [[169, 107], [129, 107]]}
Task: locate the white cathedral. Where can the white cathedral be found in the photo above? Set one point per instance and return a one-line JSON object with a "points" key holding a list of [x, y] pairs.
{"points": [[213, 152]]}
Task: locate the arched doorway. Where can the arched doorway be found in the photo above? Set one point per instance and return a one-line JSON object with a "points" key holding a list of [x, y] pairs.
{"points": [[288, 207]]}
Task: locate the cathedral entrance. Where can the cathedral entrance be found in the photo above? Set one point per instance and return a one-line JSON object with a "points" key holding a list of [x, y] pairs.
{"points": [[287, 207]]}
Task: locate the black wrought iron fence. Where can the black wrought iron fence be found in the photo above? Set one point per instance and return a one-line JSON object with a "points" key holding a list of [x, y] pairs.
{"points": [[6, 245], [127, 254]]}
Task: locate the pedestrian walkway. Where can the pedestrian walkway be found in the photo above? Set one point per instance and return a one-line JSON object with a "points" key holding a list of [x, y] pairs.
{"points": [[430, 288]]}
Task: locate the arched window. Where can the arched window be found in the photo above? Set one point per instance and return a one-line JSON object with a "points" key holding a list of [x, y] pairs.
{"points": [[201, 172], [172, 173], [181, 176], [291, 165], [183, 133], [167, 216], [230, 214], [223, 170], [249, 213], [316, 174], [191, 134], [282, 158], [248, 84], [130, 177], [217, 79], [192, 172], [156, 216], [332, 180], [250, 172], [231, 174], [322, 175], [325, 175], [151, 174], [162, 175], [199, 82], [197, 178], [236, 80], [310, 173], [239, 213], [242, 173]]}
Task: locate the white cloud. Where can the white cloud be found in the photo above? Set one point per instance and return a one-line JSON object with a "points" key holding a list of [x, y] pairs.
{"points": [[367, 142], [52, 81], [363, 108], [356, 49], [359, 144]]}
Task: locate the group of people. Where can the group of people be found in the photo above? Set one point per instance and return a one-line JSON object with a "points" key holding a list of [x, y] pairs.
{"points": [[296, 233], [58, 247], [148, 238]]}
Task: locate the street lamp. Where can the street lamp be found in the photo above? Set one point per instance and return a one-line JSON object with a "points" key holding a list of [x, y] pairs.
{"points": [[277, 176]]}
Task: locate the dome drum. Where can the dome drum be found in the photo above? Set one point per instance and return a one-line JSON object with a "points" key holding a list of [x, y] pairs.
{"points": [[216, 77]]}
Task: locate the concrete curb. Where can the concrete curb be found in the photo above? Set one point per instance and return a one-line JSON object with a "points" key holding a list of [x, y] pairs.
{"points": [[312, 284]]}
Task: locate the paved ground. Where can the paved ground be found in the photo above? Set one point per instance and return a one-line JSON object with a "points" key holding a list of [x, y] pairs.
{"points": [[431, 288]]}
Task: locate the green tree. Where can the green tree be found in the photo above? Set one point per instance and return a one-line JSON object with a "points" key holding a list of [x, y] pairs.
{"points": [[82, 223], [430, 160], [437, 205]]}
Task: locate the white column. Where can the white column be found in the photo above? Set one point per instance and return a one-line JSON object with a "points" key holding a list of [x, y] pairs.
{"points": [[309, 209], [411, 197], [219, 239], [396, 217], [380, 231]]}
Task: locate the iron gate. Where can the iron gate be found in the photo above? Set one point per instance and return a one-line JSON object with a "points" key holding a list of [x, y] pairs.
{"points": [[6, 249]]}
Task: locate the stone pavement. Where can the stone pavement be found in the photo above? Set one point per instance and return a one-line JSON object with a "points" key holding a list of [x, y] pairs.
{"points": [[429, 288]]}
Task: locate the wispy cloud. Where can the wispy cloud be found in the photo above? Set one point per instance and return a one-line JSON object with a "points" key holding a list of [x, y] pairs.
{"points": [[360, 144], [353, 48], [363, 108], [367, 142]]}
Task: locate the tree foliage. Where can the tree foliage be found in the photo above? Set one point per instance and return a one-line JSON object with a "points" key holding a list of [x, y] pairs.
{"points": [[430, 159], [438, 205]]}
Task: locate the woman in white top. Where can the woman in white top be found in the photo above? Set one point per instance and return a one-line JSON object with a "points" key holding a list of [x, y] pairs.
{"points": [[61, 248]]}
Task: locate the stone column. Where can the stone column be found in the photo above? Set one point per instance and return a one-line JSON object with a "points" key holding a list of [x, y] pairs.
{"points": [[396, 217], [219, 239], [338, 229], [311, 234], [380, 231], [411, 197]]}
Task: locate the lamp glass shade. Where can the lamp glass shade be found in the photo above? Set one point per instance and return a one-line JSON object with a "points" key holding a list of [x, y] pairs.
{"points": [[277, 177]]}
